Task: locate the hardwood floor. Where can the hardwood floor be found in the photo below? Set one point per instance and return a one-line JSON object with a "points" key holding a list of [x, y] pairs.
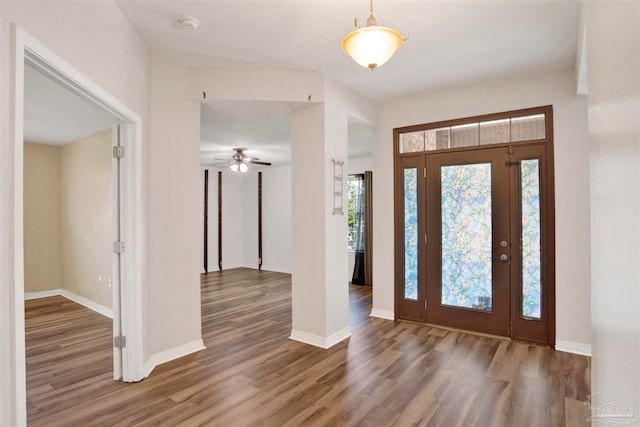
{"points": [[251, 374]]}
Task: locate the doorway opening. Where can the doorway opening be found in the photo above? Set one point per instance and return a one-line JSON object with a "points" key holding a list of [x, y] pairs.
{"points": [[127, 226], [69, 206], [474, 224]]}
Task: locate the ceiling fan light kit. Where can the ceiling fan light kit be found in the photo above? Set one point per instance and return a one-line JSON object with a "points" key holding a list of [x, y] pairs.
{"points": [[239, 162], [372, 45]]}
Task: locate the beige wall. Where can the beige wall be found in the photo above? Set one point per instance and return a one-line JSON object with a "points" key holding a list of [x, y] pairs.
{"points": [[68, 218], [86, 217], [42, 262]]}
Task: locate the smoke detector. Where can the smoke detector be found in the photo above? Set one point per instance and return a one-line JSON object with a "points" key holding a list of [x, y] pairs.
{"points": [[189, 24]]}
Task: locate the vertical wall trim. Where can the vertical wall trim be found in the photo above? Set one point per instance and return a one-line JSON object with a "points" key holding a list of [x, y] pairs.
{"points": [[259, 220], [220, 220], [206, 221]]}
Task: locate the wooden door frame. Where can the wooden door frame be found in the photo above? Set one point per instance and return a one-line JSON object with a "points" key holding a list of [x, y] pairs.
{"points": [[414, 307], [548, 234]]}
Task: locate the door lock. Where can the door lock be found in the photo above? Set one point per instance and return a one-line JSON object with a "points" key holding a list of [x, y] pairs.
{"points": [[504, 257]]}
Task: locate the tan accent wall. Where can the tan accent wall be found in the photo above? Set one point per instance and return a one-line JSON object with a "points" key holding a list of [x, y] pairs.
{"points": [[42, 262], [86, 217], [68, 217]]}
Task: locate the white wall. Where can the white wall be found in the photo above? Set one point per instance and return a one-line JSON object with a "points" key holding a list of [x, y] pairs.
{"points": [[359, 164], [249, 216], [101, 44], [240, 219], [172, 300], [613, 85], [276, 219], [571, 182]]}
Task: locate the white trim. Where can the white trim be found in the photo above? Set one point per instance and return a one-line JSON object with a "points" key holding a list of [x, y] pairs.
{"points": [[20, 373], [320, 341], [232, 266], [382, 314], [573, 347], [92, 305], [171, 354], [42, 294], [266, 267]]}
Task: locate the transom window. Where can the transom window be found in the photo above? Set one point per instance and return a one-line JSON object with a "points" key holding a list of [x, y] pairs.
{"points": [[504, 130]]}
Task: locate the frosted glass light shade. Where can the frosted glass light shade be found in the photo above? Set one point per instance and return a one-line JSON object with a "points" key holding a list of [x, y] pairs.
{"points": [[372, 46], [234, 167], [243, 168]]}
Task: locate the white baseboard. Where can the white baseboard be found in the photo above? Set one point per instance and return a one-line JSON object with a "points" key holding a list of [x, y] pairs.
{"points": [[573, 347], [171, 354], [320, 341], [276, 269], [382, 314], [42, 294], [92, 305]]}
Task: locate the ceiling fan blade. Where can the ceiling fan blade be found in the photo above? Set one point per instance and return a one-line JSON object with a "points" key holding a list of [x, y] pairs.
{"points": [[255, 162], [224, 160], [220, 163]]}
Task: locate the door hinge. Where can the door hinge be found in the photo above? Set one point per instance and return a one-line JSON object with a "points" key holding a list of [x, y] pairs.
{"points": [[120, 342], [425, 173], [118, 247], [425, 304], [118, 152], [514, 163]]}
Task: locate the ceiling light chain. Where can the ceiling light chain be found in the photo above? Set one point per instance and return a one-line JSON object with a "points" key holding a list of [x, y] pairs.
{"points": [[371, 21]]}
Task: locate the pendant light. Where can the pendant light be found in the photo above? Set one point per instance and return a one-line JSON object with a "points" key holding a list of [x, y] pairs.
{"points": [[372, 45]]}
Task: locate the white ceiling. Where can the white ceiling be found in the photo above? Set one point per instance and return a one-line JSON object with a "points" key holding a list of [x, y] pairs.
{"points": [[450, 43], [54, 115]]}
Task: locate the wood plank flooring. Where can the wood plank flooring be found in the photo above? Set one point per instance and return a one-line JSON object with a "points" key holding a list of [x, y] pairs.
{"points": [[387, 374]]}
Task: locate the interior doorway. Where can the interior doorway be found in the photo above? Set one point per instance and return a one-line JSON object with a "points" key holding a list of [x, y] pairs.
{"points": [[127, 177], [475, 205], [69, 204]]}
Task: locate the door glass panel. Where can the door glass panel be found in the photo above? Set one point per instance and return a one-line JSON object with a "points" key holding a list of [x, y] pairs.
{"points": [[466, 236], [530, 187], [411, 233]]}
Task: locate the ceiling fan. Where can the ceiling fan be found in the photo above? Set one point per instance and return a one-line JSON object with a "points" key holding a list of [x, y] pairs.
{"points": [[239, 161]]}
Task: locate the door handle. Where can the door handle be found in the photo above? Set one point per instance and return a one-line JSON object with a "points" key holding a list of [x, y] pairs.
{"points": [[504, 257]]}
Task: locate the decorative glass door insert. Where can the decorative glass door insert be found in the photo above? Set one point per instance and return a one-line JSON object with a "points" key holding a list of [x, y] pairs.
{"points": [[466, 236], [411, 233]]}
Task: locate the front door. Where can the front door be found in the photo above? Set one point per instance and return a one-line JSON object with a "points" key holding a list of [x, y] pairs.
{"points": [[468, 244], [475, 232]]}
